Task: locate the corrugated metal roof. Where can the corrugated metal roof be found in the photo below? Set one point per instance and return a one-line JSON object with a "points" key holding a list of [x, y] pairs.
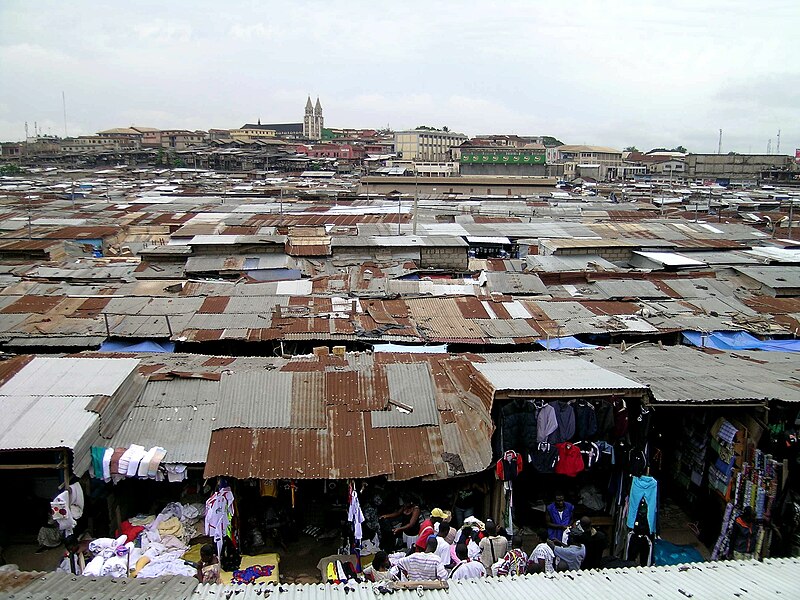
{"points": [[727, 580], [70, 377], [39, 422], [255, 399], [180, 392], [561, 374], [409, 384], [185, 431], [65, 585], [627, 288], [515, 283]]}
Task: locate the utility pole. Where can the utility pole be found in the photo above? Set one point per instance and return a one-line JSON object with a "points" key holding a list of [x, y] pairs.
{"points": [[719, 146], [791, 212], [769, 146], [778, 145], [416, 200]]}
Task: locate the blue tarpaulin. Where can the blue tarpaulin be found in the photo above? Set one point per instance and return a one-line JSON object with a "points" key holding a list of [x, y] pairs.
{"points": [[668, 553], [119, 346], [738, 340], [564, 343]]}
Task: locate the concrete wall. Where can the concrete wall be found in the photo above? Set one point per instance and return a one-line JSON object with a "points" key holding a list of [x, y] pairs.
{"points": [[735, 166], [444, 258], [504, 169]]}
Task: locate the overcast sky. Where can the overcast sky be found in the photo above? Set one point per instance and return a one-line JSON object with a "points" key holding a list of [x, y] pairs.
{"points": [[608, 73]]}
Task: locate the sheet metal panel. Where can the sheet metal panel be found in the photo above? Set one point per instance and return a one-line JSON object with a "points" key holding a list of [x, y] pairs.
{"points": [[185, 431], [65, 585], [255, 399], [308, 400], [411, 385], [562, 374], [70, 377], [180, 393]]}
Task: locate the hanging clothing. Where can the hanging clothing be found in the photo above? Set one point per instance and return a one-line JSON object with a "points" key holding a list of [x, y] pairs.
{"points": [[585, 420], [509, 466], [565, 417], [546, 423], [544, 457], [355, 515], [620, 418], [643, 488], [639, 427], [97, 453], [589, 452], [219, 514], [570, 460], [519, 425], [562, 517]]}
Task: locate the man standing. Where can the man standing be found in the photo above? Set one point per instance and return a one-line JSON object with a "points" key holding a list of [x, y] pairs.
{"points": [[558, 517], [571, 555], [493, 547], [466, 568], [426, 527], [443, 547], [595, 542], [422, 566], [542, 557]]}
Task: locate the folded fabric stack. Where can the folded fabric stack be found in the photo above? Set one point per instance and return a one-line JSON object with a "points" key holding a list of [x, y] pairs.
{"points": [[114, 464], [112, 557]]}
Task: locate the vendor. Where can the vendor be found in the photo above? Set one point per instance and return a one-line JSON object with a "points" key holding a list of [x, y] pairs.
{"points": [[208, 569], [558, 517], [408, 526]]}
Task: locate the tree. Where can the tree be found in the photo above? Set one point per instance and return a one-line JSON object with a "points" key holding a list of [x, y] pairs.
{"points": [[631, 149], [445, 129], [425, 128]]}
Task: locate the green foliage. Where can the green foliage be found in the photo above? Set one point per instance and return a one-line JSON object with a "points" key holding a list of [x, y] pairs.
{"points": [[550, 142], [675, 149], [426, 128], [631, 149], [11, 169]]}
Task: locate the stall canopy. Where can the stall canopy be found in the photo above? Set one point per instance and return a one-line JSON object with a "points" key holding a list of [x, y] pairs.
{"points": [[65, 403], [401, 415], [146, 346], [738, 340], [564, 343]]}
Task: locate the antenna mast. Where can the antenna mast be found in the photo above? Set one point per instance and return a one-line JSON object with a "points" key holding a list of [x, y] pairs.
{"points": [[719, 146], [64, 105], [769, 146], [778, 145]]}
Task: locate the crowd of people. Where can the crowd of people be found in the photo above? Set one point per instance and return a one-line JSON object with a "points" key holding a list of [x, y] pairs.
{"points": [[418, 546]]}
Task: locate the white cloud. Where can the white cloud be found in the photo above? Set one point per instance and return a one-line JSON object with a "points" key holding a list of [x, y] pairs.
{"points": [[164, 32]]}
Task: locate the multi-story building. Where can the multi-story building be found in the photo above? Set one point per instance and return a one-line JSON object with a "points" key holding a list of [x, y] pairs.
{"points": [[597, 162], [255, 133], [180, 139], [99, 143], [151, 136], [427, 145], [740, 167], [477, 158], [338, 151]]}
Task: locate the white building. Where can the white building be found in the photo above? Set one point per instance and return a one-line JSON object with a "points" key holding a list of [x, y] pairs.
{"points": [[427, 145]]}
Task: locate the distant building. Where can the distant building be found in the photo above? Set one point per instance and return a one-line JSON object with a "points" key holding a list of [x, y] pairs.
{"points": [[427, 145], [313, 121], [250, 134], [337, 151], [181, 139], [740, 166], [99, 143], [477, 158], [10, 149], [151, 136], [596, 162]]}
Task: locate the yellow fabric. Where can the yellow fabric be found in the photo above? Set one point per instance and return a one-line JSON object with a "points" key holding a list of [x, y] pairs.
{"points": [[193, 553], [139, 565], [269, 487], [171, 526], [271, 558]]}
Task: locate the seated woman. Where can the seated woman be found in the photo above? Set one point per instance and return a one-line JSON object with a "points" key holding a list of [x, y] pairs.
{"points": [[379, 569]]}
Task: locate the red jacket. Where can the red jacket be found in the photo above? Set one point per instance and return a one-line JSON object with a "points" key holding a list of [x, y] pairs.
{"points": [[570, 460]]}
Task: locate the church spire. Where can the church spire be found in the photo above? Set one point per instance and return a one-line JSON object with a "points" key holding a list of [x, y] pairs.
{"points": [[318, 108], [309, 106]]}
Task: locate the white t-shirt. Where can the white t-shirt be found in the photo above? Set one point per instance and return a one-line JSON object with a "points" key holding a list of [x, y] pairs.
{"points": [[543, 551], [443, 550], [468, 569]]}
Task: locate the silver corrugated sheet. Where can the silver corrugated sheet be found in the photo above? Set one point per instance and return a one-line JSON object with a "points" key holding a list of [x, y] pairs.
{"points": [[564, 374], [257, 399], [729, 580], [504, 282], [64, 585], [228, 320], [180, 392], [409, 384], [627, 289], [70, 377], [184, 432], [39, 422]]}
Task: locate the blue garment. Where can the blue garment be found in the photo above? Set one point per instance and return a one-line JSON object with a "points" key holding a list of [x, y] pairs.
{"points": [[565, 519], [646, 488]]}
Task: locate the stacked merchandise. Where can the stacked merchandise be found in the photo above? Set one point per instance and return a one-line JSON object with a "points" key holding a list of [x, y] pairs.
{"points": [[726, 442], [115, 464], [690, 457], [755, 484]]}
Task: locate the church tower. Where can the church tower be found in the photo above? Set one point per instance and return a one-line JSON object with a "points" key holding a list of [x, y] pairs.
{"points": [[318, 120], [308, 120]]}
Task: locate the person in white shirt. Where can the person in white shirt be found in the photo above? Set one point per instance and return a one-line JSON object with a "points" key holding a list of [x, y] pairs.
{"points": [[571, 556], [443, 549], [421, 566], [542, 557], [466, 568]]}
